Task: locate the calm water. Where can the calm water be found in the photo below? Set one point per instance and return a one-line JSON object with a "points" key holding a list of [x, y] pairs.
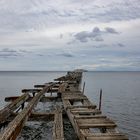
{"points": [[121, 96]]}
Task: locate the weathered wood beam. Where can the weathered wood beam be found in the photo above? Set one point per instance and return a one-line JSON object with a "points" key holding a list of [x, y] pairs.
{"points": [[53, 90], [14, 128], [31, 90], [106, 136], [7, 111], [43, 99], [96, 123], [35, 116], [58, 133], [39, 86], [88, 116], [81, 107]]}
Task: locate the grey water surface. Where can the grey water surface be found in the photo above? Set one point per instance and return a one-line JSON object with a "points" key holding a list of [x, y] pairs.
{"points": [[120, 101]]}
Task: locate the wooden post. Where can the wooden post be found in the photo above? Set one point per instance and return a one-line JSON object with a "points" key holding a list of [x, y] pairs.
{"points": [[83, 87], [100, 101], [51, 90], [33, 94]]}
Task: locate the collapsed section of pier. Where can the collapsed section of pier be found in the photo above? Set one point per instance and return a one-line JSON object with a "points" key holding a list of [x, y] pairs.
{"points": [[87, 120]]}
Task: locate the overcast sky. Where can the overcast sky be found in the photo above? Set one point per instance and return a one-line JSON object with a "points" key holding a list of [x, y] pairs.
{"points": [[67, 34]]}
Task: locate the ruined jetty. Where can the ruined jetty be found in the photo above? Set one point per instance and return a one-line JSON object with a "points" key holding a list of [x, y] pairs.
{"points": [[87, 120]]}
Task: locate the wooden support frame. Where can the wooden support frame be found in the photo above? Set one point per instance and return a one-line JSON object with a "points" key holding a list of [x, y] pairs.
{"points": [[15, 127], [8, 110]]}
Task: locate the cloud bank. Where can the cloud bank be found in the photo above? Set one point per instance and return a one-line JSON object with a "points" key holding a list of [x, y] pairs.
{"points": [[90, 34], [96, 34]]}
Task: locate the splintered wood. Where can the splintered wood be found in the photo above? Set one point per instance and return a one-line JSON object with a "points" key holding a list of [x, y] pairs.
{"points": [[86, 119]]}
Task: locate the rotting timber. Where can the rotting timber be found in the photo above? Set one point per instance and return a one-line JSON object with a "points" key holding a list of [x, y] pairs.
{"points": [[86, 119]]}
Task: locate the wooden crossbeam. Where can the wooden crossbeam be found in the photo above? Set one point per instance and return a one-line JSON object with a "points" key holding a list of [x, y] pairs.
{"points": [[39, 86], [88, 116], [35, 116], [43, 99], [107, 137], [85, 112], [31, 90], [95, 123]]}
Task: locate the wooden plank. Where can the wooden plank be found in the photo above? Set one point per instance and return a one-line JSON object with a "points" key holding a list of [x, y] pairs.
{"points": [[35, 116], [74, 96], [13, 129], [62, 87], [85, 112], [107, 137], [58, 133], [39, 86], [87, 102], [80, 107], [97, 125], [88, 116], [31, 90], [66, 103], [8, 110], [102, 136], [89, 134], [71, 93], [95, 122], [73, 122], [43, 99], [53, 90]]}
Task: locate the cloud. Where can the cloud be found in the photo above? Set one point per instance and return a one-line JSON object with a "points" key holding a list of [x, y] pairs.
{"points": [[99, 38], [6, 52], [24, 51], [40, 29], [41, 14], [95, 35], [67, 55], [121, 45], [111, 30]]}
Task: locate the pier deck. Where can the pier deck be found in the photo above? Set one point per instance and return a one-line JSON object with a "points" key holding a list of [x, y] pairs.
{"points": [[87, 120]]}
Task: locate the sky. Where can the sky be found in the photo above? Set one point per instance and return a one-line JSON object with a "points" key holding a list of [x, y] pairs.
{"points": [[47, 35]]}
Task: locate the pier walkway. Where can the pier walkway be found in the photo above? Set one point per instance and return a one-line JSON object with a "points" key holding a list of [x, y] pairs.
{"points": [[87, 120]]}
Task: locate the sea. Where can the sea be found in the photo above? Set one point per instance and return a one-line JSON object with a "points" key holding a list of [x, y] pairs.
{"points": [[120, 99]]}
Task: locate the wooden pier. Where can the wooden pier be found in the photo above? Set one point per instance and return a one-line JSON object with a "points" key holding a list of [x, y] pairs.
{"points": [[87, 120]]}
